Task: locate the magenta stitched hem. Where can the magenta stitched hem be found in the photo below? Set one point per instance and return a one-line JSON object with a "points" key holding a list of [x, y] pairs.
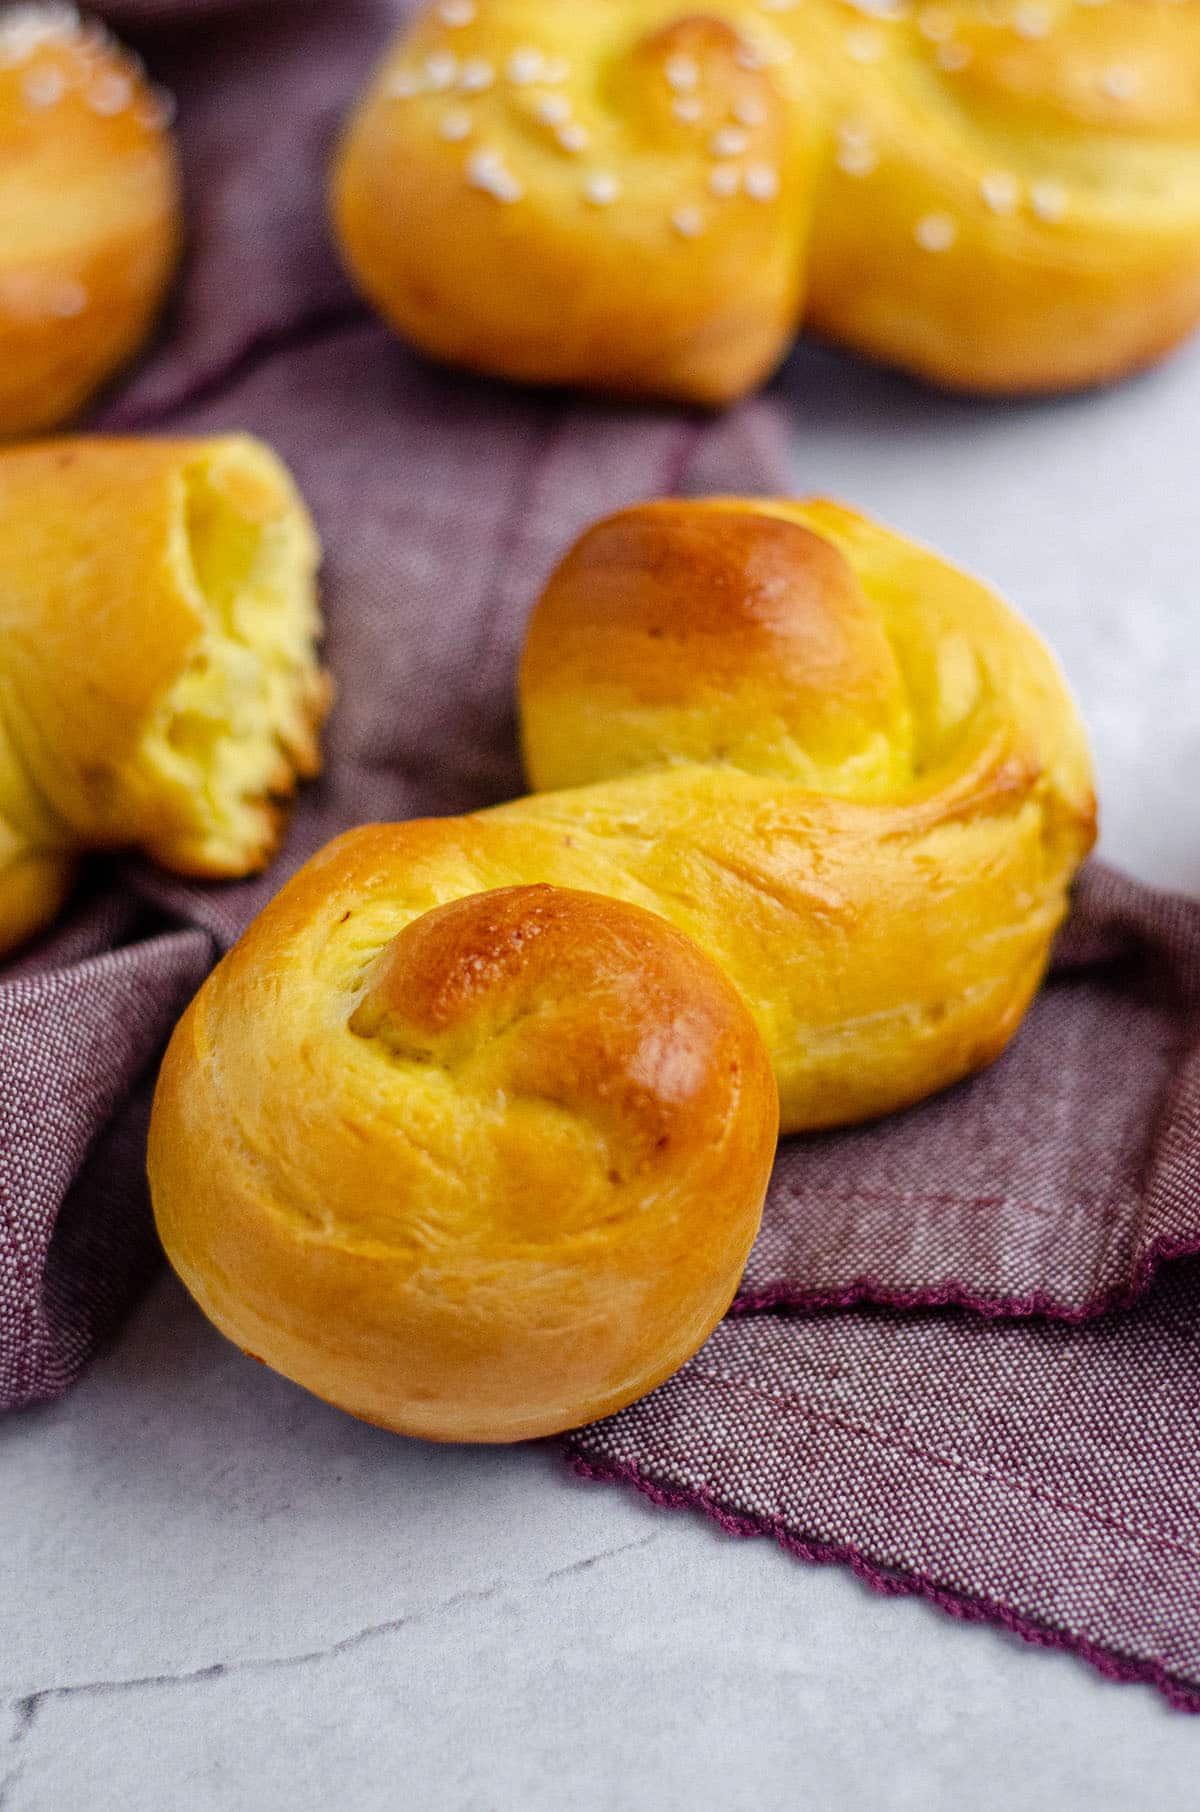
{"points": [[867, 1291], [894, 1583]]}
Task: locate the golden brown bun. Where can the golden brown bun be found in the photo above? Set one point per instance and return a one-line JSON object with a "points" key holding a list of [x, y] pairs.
{"points": [[158, 682], [475, 1174], [552, 286], [636, 197], [89, 212], [849, 771], [402, 1148]]}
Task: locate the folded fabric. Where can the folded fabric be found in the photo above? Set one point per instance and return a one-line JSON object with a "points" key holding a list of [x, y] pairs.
{"points": [[1053, 1184], [133, 13], [1033, 1474], [1008, 1463], [82, 1024]]}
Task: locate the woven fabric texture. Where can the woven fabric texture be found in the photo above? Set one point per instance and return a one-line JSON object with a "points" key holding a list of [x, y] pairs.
{"points": [[954, 1363]]}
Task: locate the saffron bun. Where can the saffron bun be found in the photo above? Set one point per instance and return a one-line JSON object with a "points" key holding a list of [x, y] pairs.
{"points": [[186, 572], [89, 212], [469, 1133], [479, 1174], [645, 199]]}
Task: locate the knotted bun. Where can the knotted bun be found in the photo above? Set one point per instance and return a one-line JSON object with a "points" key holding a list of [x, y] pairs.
{"points": [[627, 196], [159, 687], [562, 236], [470, 1131], [479, 1178]]}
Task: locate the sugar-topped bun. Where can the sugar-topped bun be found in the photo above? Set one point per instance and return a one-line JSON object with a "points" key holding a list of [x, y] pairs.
{"points": [[158, 675], [89, 212], [469, 1134], [637, 197]]}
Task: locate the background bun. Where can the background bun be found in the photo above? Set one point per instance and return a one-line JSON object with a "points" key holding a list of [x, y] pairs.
{"points": [[89, 212], [638, 197], [158, 669]]}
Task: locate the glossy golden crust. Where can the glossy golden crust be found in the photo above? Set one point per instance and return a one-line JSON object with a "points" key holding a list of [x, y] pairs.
{"points": [[414, 1141], [479, 1174], [684, 631], [528, 265], [881, 869], [89, 213], [629, 196], [158, 682]]}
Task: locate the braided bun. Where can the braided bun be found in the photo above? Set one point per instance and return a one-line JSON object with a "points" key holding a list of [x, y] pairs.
{"points": [[470, 1132]]}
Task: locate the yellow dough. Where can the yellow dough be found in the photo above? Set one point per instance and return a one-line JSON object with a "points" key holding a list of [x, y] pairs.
{"points": [[89, 212], [644, 197], [459, 1146], [159, 687]]}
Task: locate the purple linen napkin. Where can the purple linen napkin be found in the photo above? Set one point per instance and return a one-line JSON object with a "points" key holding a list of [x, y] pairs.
{"points": [[1052, 1184], [1032, 1473], [1033, 1463]]}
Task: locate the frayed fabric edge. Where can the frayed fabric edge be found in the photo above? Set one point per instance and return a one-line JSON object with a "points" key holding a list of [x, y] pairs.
{"points": [[892, 1582], [868, 1292]]}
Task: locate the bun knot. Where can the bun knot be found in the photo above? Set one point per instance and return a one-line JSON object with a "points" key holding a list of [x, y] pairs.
{"points": [[471, 1132]]}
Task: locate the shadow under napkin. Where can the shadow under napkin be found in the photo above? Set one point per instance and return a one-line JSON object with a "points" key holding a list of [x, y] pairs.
{"points": [[1035, 1472]]}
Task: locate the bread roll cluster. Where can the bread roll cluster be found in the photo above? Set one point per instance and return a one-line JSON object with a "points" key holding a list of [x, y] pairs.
{"points": [[186, 570], [642, 197], [469, 1134]]}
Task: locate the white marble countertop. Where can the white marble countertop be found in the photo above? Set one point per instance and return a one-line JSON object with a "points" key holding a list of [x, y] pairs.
{"points": [[218, 1594]]}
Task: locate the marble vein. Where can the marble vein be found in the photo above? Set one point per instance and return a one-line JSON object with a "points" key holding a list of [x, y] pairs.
{"points": [[28, 1706]]}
